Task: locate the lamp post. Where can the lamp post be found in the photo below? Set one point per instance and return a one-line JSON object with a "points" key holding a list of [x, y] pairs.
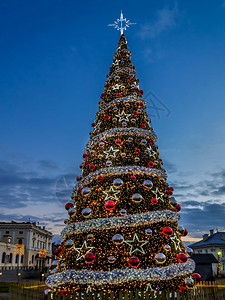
{"points": [[219, 263]]}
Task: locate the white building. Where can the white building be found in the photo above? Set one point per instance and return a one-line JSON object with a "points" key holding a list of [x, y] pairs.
{"points": [[213, 243], [30, 236]]}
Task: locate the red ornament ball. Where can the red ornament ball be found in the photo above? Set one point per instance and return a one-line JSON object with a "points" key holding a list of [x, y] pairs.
{"points": [[134, 262], [68, 205], [86, 163], [167, 231], [78, 178], [140, 104], [137, 150], [171, 188], [92, 167], [151, 142], [110, 205], [133, 177], [89, 258], [93, 124], [141, 92], [118, 95], [100, 178], [169, 192], [154, 201], [143, 126], [178, 208], [106, 117], [102, 96], [185, 232], [118, 142], [128, 78], [138, 80], [150, 164], [107, 85], [182, 289], [135, 112], [84, 155], [197, 277], [182, 257], [133, 67], [59, 250]]}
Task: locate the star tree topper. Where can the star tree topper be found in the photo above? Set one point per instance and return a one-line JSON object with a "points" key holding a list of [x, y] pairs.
{"points": [[121, 23]]}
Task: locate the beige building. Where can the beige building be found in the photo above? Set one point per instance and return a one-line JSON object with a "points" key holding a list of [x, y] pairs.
{"points": [[24, 245]]}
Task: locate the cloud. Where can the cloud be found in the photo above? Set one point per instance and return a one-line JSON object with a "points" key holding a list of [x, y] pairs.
{"points": [[165, 20]]}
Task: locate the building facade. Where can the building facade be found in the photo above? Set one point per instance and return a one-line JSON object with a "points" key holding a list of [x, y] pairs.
{"points": [[24, 245], [213, 243]]}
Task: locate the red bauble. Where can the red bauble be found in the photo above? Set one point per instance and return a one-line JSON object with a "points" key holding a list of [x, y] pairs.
{"points": [[100, 178], [92, 167], [84, 155], [79, 191], [133, 177], [138, 80], [110, 205], [118, 142], [102, 96], [167, 231], [107, 85], [141, 92], [135, 112], [78, 178], [197, 277], [143, 126], [106, 117], [93, 124], [140, 104], [118, 95], [182, 257], [133, 67], [150, 164], [59, 250], [178, 207], [182, 289], [89, 258], [68, 205], [134, 262], [137, 150], [185, 232], [86, 163], [128, 78], [121, 52], [151, 142], [169, 192], [171, 188], [154, 201]]}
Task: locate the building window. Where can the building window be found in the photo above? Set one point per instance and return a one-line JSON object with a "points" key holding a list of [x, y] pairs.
{"points": [[32, 259], [206, 250], [3, 257], [20, 232], [17, 258], [21, 259], [10, 258], [7, 232], [20, 241]]}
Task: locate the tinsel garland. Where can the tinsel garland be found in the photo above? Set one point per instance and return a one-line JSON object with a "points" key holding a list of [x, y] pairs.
{"points": [[118, 171], [118, 276], [121, 70], [121, 221], [119, 100], [132, 131]]}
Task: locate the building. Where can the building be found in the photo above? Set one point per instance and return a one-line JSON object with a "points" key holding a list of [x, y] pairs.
{"points": [[206, 265], [24, 245], [213, 243]]}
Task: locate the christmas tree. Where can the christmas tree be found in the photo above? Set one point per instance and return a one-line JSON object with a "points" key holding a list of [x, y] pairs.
{"points": [[122, 233]]}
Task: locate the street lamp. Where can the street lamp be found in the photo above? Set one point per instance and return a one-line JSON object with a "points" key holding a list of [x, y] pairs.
{"points": [[219, 263], [19, 274]]}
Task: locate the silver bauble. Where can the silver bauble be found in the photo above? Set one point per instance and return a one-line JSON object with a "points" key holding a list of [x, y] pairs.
{"points": [[69, 243], [148, 231], [160, 258], [101, 144], [117, 239], [167, 247], [117, 182], [123, 212], [111, 259], [144, 142], [85, 191], [108, 163], [189, 282], [136, 159], [148, 184], [86, 212], [189, 251], [124, 124], [71, 211], [123, 154], [137, 198]]}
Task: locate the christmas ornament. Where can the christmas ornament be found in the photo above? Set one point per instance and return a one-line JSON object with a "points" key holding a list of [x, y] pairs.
{"points": [[130, 139], [118, 142], [124, 124], [137, 150], [182, 289], [100, 178], [111, 194], [173, 202], [109, 205], [123, 212], [167, 247], [197, 277], [101, 144], [189, 282], [160, 258], [123, 155], [148, 231], [137, 198], [111, 259], [185, 232], [83, 250], [90, 237], [111, 152], [181, 257], [143, 126], [144, 142], [92, 167], [189, 251], [89, 258], [71, 211], [176, 242], [178, 207], [148, 184], [117, 239], [86, 212], [69, 243], [108, 163], [158, 194], [136, 245], [68, 205], [133, 177], [134, 262], [154, 201], [136, 159], [85, 192], [123, 116], [167, 231], [169, 192], [117, 182], [151, 152], [181, 229]]}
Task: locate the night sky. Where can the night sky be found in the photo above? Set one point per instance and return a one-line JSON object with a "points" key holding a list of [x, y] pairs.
{"points": [[54, 58]]}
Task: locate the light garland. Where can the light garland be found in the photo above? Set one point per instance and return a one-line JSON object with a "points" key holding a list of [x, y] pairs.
{"points": [[118, 276], [121, 221], [118, 171], [131, 131]]}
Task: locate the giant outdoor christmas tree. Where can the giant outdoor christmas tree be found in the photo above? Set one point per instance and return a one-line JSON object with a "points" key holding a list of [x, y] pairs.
{"points": [[122, 232]]}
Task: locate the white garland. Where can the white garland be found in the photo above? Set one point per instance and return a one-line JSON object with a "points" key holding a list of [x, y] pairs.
{"points": [[121, 221], [132, 131], [118, 276], [119, 100], [118, 171]]}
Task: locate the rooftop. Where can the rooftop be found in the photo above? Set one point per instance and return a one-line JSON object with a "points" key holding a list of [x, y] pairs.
{"points": [[217, 238], [204, 258]]}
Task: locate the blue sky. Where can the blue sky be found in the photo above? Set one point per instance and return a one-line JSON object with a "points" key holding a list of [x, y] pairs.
{"points": [[54, 58]]}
